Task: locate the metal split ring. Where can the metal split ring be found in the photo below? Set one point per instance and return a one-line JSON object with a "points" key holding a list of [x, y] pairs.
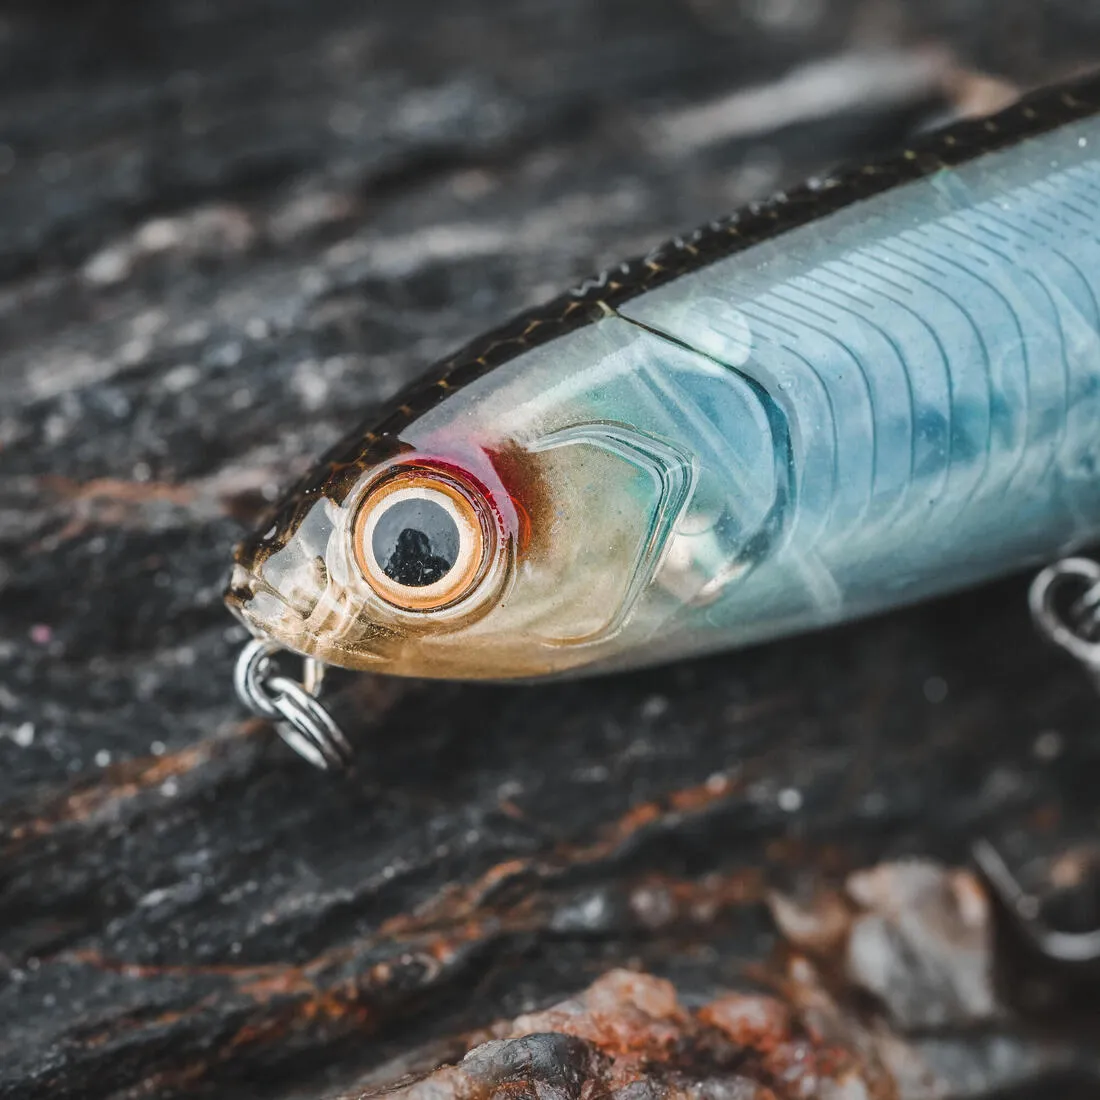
{"points": [[300, 720], [1076, 630]]}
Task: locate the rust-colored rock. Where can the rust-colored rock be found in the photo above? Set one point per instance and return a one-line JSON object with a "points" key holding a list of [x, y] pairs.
{"points": [[630, 1036]]}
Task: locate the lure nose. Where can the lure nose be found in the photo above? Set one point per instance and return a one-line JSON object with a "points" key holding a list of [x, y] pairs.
{"points": [[240, 590], [274, 610]]}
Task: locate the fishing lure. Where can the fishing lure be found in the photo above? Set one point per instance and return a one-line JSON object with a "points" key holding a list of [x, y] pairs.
{"points": [[875, 388]]}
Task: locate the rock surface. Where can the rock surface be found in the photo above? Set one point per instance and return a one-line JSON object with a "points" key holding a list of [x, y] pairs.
{"points": [[225, 230]]}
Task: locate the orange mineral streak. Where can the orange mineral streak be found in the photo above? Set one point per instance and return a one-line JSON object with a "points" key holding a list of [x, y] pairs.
{"points": [[110, 502], [118, 490], [121, 784], [687, 800]]}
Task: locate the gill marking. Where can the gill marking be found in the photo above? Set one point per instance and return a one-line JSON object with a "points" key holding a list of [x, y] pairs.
{"points": [[674, 473]]}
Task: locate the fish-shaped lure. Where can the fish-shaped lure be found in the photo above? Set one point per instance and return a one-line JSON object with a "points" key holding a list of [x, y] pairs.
{"points": [[872, 389]]}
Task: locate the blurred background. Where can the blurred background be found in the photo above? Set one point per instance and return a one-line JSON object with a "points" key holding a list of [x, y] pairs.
{"points": [[226, 230]]}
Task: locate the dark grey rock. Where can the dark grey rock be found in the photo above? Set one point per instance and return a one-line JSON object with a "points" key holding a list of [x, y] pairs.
{"points": [[226, 229]]}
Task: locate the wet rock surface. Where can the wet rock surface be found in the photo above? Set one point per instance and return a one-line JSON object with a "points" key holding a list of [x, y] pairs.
{"points": [[225, 231]]}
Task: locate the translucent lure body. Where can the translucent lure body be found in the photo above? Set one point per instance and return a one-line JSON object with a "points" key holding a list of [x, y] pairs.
{"points": [[863, 394]]}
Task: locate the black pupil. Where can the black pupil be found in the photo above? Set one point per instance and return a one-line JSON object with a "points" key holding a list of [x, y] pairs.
{"points": [[416, 542]]}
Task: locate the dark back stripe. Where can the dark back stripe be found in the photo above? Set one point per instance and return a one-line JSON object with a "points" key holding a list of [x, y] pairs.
{"points": [[378, 438], [1035, 114]]}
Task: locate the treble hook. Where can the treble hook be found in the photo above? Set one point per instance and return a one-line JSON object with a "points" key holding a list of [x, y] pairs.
{"points": [[1075, 629], [1026, 909]]}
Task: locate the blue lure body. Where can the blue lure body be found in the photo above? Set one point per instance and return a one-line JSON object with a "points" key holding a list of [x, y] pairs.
{"points": [[875, 389]]}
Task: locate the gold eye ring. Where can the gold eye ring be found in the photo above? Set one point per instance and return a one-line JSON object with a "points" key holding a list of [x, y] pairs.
{"points": [[422, 539]]}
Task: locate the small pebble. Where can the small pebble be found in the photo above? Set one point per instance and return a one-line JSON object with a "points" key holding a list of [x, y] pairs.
{"points": [[790, 800], [935, 689], [23, 735], [1048, 745], [718, 783], [873, 803]]}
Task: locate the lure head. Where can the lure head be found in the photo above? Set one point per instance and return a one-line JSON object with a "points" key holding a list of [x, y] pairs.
{"points": [[377, 553], [528, 523]]}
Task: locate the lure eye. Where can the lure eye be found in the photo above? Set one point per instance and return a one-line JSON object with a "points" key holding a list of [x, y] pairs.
{"points": [[422, 540]]}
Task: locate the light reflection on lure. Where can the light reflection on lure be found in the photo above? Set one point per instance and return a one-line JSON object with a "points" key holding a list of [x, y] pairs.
{"points": [[859, 395]]}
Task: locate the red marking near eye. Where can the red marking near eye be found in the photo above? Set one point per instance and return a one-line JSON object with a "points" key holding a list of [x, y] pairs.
{"points": [[521, 480], [475, 471], [505, 474]]}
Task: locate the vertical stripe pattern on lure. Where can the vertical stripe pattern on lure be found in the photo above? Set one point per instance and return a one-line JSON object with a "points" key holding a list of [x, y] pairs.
{"points": [[867, 391]]}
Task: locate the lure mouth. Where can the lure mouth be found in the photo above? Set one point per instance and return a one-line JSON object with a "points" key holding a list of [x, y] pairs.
{"points": [[280, 576], [239, 592], [266, 611], [304, 619]]}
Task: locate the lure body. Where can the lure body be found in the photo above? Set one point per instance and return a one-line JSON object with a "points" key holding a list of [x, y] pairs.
{"points": [[865, 393]]}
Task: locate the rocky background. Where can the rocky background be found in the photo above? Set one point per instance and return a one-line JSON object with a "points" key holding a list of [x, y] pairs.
{"points": [[226, 229]]}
